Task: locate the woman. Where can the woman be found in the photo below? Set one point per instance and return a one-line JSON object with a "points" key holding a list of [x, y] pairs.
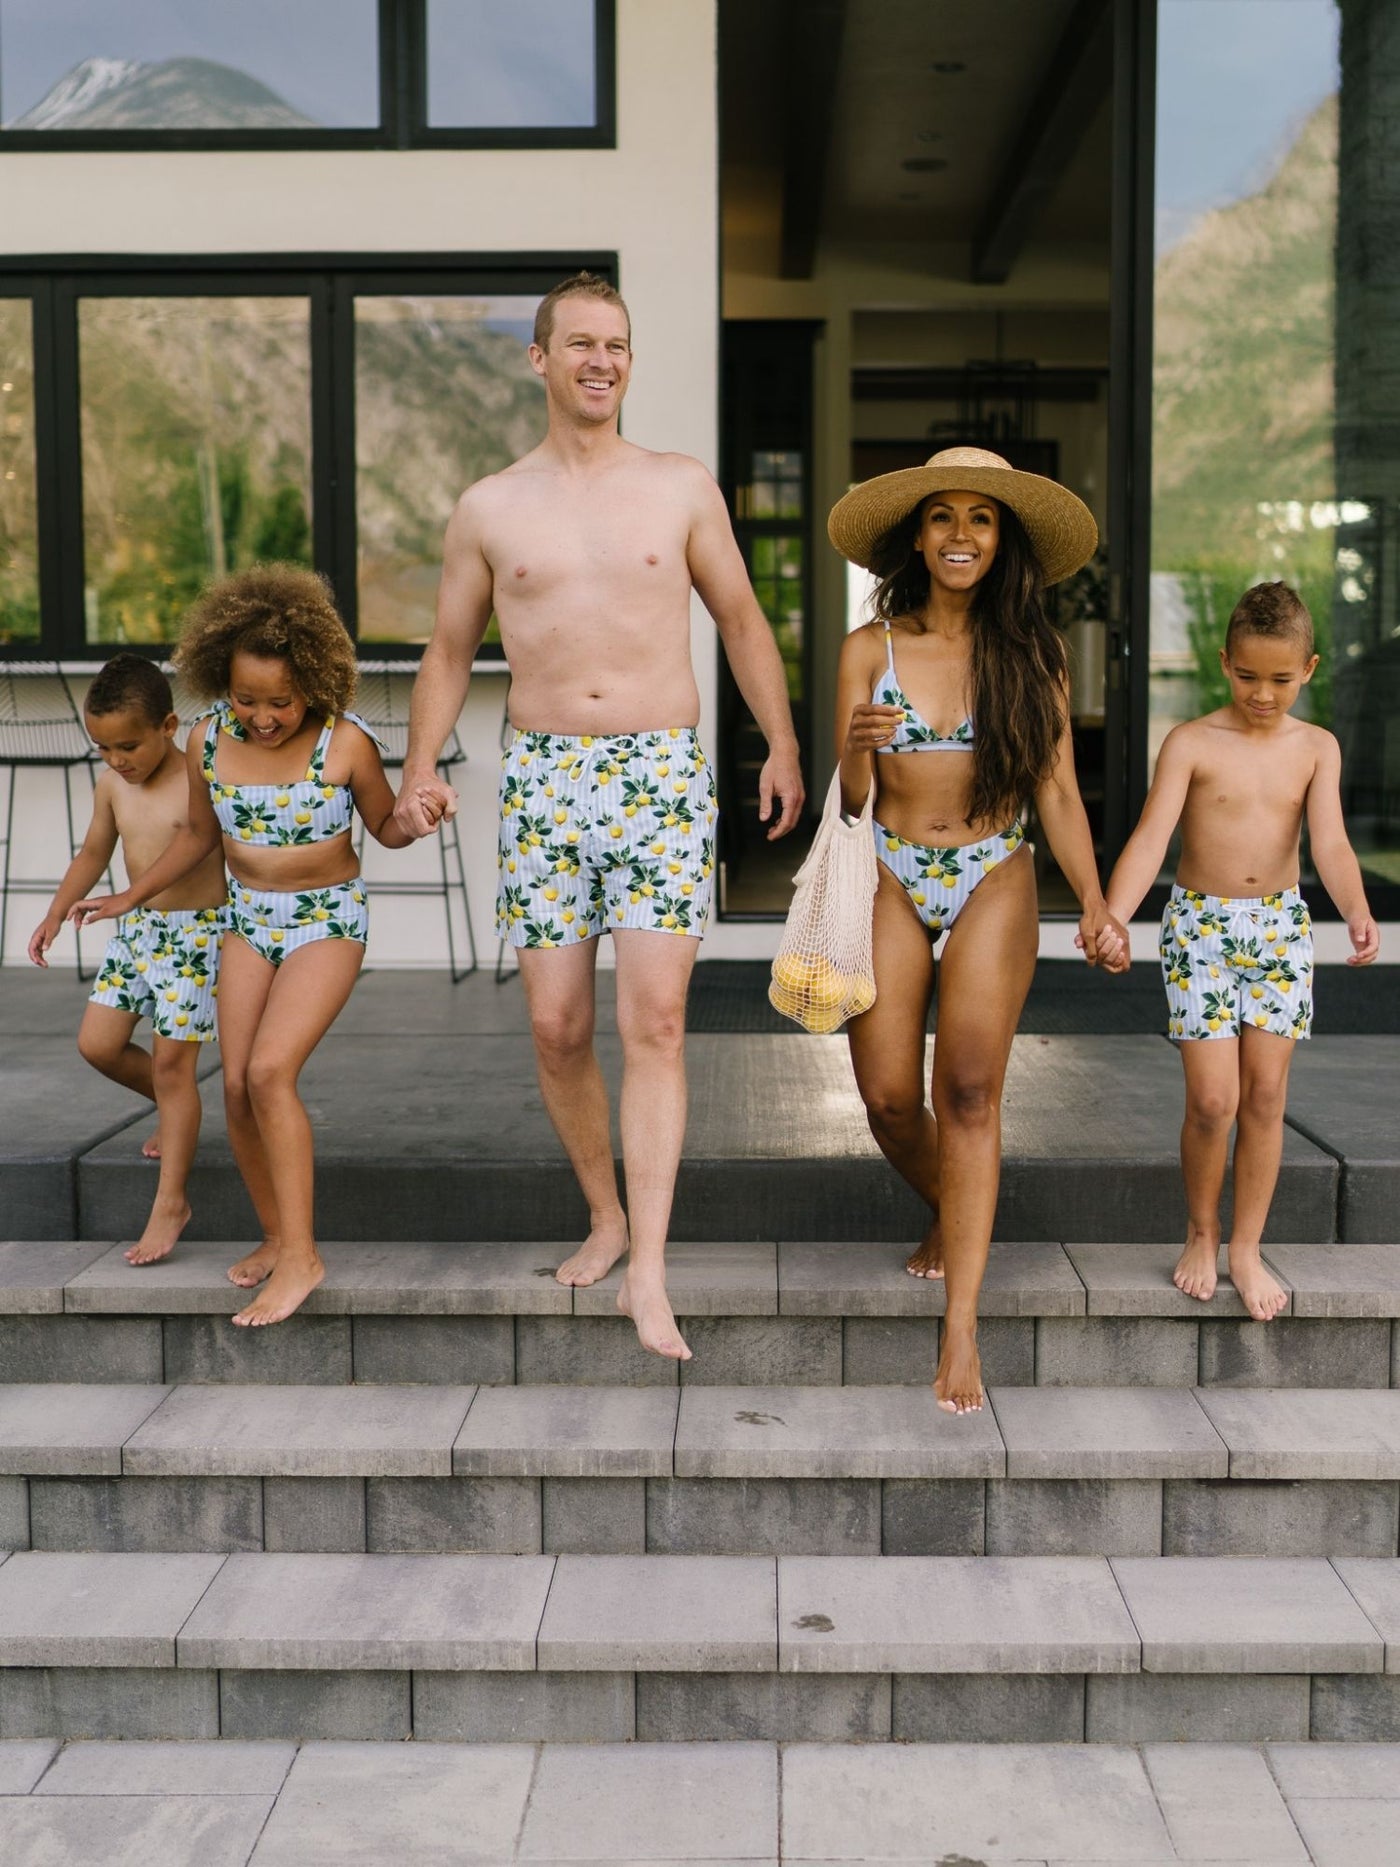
{"points": [[953, 702]]}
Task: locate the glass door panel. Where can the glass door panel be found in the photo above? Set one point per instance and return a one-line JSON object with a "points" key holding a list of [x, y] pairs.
{"points": [[19, 544]]}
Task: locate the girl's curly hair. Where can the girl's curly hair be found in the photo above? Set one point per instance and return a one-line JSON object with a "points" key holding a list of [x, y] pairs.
{"points": [[278, 611]]}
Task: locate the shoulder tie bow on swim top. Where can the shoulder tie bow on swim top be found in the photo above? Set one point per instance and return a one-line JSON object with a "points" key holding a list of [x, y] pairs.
{"points": [[913, 733], [308, 811]]}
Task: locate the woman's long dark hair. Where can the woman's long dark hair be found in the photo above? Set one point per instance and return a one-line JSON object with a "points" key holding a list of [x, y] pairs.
{"points": [[1019, 666]]}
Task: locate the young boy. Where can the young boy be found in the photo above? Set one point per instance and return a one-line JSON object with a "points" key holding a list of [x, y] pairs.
{"points": [[1237, 951], [163, 962]]}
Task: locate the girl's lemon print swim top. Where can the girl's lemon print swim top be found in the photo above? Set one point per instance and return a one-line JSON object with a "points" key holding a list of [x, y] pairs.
{"points": [[310, 811]]}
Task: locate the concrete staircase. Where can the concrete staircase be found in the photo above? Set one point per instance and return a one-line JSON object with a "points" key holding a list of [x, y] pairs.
{"points": [[454, 1500]]}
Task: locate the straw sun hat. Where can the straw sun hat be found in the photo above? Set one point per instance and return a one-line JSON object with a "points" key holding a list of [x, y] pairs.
{"points": [[1059, 525]]}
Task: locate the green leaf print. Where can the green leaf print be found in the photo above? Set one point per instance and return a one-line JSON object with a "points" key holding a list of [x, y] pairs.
{"points": [[543, 933]]}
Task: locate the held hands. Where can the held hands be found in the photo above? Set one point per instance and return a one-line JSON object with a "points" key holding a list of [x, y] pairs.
{"points": [[781, 778], [1103, 939], [1365, 940], [422, 805], [43, 938], [872, 727]]}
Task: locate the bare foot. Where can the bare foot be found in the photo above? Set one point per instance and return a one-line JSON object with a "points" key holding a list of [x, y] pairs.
{"points": [[290, 1284], [1195, 1272], [958, 1382], [161, 1235], [257, 1266], [1259, 1292], [150, 1147], [927, 1261], [595, 1257], [644, 1299]]}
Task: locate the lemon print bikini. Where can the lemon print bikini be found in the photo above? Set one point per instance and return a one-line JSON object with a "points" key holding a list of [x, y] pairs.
{"points": [[281, 816], [938, 882], [1229, 962]]}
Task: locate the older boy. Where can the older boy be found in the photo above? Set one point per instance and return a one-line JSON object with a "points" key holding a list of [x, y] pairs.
{"points": [[163, 962], [1237, 953]]}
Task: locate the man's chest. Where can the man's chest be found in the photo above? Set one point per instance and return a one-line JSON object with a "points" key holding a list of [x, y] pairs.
{"points": [[543, 546]]}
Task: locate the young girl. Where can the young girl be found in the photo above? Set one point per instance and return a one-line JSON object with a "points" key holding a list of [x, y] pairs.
{"points": [[275, 773]]}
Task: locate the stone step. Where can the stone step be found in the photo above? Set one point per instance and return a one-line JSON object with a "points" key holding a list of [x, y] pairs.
{"points": [[679, 1647], [699, 1471], [811, 1314]]}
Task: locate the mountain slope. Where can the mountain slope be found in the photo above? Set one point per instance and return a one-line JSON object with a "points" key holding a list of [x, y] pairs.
{"points": [[176, 94]]}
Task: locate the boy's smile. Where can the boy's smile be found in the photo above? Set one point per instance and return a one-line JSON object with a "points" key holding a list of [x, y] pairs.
{"points": [[1266, 675]]}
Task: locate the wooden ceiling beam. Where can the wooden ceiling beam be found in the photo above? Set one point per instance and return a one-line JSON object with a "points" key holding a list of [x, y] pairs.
{"points": [[1076, 82], [809, 68]]}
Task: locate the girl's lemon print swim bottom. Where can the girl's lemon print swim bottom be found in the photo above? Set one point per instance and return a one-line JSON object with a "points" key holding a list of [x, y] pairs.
{"points": [[1230, 962], [939, 881], [604, 832], [275, 924]]}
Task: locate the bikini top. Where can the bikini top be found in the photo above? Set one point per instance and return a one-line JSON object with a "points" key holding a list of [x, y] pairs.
{"points": [[913, 733], [309, 811]]}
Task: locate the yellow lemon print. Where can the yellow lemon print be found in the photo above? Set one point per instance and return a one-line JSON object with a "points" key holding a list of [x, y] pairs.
{"points": [[182, 1018], [282, 800]]}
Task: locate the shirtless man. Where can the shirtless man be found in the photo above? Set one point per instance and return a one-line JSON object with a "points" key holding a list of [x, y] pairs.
{"points": [[587, 550], [1237, 950]]}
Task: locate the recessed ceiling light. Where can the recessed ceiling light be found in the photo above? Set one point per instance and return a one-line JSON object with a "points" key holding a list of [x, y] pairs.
{"points": [[924, 165], [948, 67]]}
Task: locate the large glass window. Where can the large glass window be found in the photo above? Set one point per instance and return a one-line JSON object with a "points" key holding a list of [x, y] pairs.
{"points": [[196, 450], [511, 63], [1276, 376], [19, 557], [444, 394]]}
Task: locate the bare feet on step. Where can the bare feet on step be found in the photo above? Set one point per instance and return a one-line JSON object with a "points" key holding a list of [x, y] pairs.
{"points": [[161, 1235], [257, 1266], [150, 1147], [643, 1298], [958, 1382], [1195, 1273], [927, 1261], [595, 1257], [290, 1284], [1260, 1293]]}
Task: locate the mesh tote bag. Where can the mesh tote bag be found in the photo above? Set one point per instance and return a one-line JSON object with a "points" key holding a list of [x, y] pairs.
{"points": [[823, 973]]}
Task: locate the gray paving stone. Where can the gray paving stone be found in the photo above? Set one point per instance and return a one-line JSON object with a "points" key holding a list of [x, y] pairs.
{"points": [[301, 1432], [349, 1805], [14, 1513], [148, 1769], [126, 1702], [82, 1348], [660, 1614], [70, 1427], [932, 1517], [701, 1280], [369, 1612], [216, 1831], [870, 1280], [1245, 1614], [34, 1271], [969, 1802], [1336, 1769], [151, 1514], [1289, 1353], [524, 1708], [831, 1432], [1074, 1517], [22, 1763], [363, 1707], [1126, 1432], [97, 1610], [303, 1350], [491, 1516], [1181, 1708], [763, 1517], [594, 1351], [1115, 1351], [788, 1351], [1315, 1433], [680, 1708], [1136, 1280], [618, 1802], [568, 1432], [951, 1614], [1276, 1517], [1221, 1803], [988, 1708], [437, 1350], [1355, 1708], [1375, 1585], [882, 1351], [193, 1281], [1348, 1832], [593, 1516], [1340, 1280], [321, 1516]]}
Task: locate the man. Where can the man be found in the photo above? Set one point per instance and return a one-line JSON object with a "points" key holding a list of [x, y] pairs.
{"points": [[587, 550]]}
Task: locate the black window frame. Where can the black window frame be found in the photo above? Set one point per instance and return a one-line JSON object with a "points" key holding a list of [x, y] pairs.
{"points": [[330, 282], [403, 107]]}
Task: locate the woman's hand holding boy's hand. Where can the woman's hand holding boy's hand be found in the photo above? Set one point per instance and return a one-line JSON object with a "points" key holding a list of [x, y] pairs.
{"points": [[43, 938], [99, 908], [872, 727], [1365, 940], [1103, 939]]}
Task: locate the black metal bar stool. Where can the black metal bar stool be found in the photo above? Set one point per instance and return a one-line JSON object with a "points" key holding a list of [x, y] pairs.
{"points": [[382, 702], [41, 728]]}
